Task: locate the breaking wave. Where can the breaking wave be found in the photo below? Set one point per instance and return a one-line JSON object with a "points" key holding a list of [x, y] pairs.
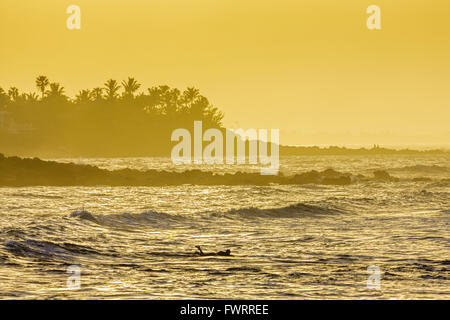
{"points": [[126, 220], [155, 219], [46, 250], [422, 169], [298, 210]]}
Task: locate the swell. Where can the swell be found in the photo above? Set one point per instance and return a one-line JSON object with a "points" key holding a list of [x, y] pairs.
{"points": [[48, 250], [155, 219], [420, 168], [128, 220], [298, 210]]}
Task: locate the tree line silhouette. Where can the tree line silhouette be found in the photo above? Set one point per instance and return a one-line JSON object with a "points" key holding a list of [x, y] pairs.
{"points": [[115, 120], [112, 120]]}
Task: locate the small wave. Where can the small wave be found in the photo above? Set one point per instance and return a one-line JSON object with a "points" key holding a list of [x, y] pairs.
{"points": [[154, 219], [46, 249], [15, 232], [422, 168], [125, 220], [37, 196], [85, 215], [293, 211], [3, 259], [298, 274], [438, 185], [243, 268], [422, 179]]}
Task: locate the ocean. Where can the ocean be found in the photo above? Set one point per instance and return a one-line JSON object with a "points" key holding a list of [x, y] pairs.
{"points": [[367, 240]]}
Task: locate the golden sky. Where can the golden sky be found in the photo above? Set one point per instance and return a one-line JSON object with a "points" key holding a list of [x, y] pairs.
{"points": [[310, 68]]}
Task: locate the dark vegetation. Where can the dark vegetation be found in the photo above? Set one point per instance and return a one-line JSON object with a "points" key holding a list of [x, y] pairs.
{"points": [[107, 121], [116, 120]]}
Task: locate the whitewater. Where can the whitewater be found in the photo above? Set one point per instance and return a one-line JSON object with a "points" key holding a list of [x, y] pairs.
{"points": [[287, 241]]}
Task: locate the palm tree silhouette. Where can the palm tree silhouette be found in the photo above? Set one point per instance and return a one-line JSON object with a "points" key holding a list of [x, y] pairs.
{"points": [[56, 90], [83, 96], [199, 107], [42, 83], [111, 89], [31, 97], [97, 94], [170, 100], [130, 87], [13, 93], [190, 94], [3, 97], [136, 116]]}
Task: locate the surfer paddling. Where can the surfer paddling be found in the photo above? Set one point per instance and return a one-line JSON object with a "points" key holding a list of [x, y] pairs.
{"points": [[200, 252]]}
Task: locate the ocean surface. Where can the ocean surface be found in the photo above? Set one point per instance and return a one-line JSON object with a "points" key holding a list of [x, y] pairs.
{"points": [[287, 242]]}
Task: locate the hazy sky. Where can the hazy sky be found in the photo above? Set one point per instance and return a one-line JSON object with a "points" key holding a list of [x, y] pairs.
{"points": [[310, 68]]}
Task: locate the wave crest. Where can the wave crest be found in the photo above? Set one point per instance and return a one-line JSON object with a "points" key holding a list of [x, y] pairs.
{"points": [[124, 220], [47, 249], [293, 211], [422, 168]]}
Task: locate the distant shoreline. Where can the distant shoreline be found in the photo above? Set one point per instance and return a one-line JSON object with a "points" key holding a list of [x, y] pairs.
{"points": [[24, 172], [284, 151], [335, 150]]}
